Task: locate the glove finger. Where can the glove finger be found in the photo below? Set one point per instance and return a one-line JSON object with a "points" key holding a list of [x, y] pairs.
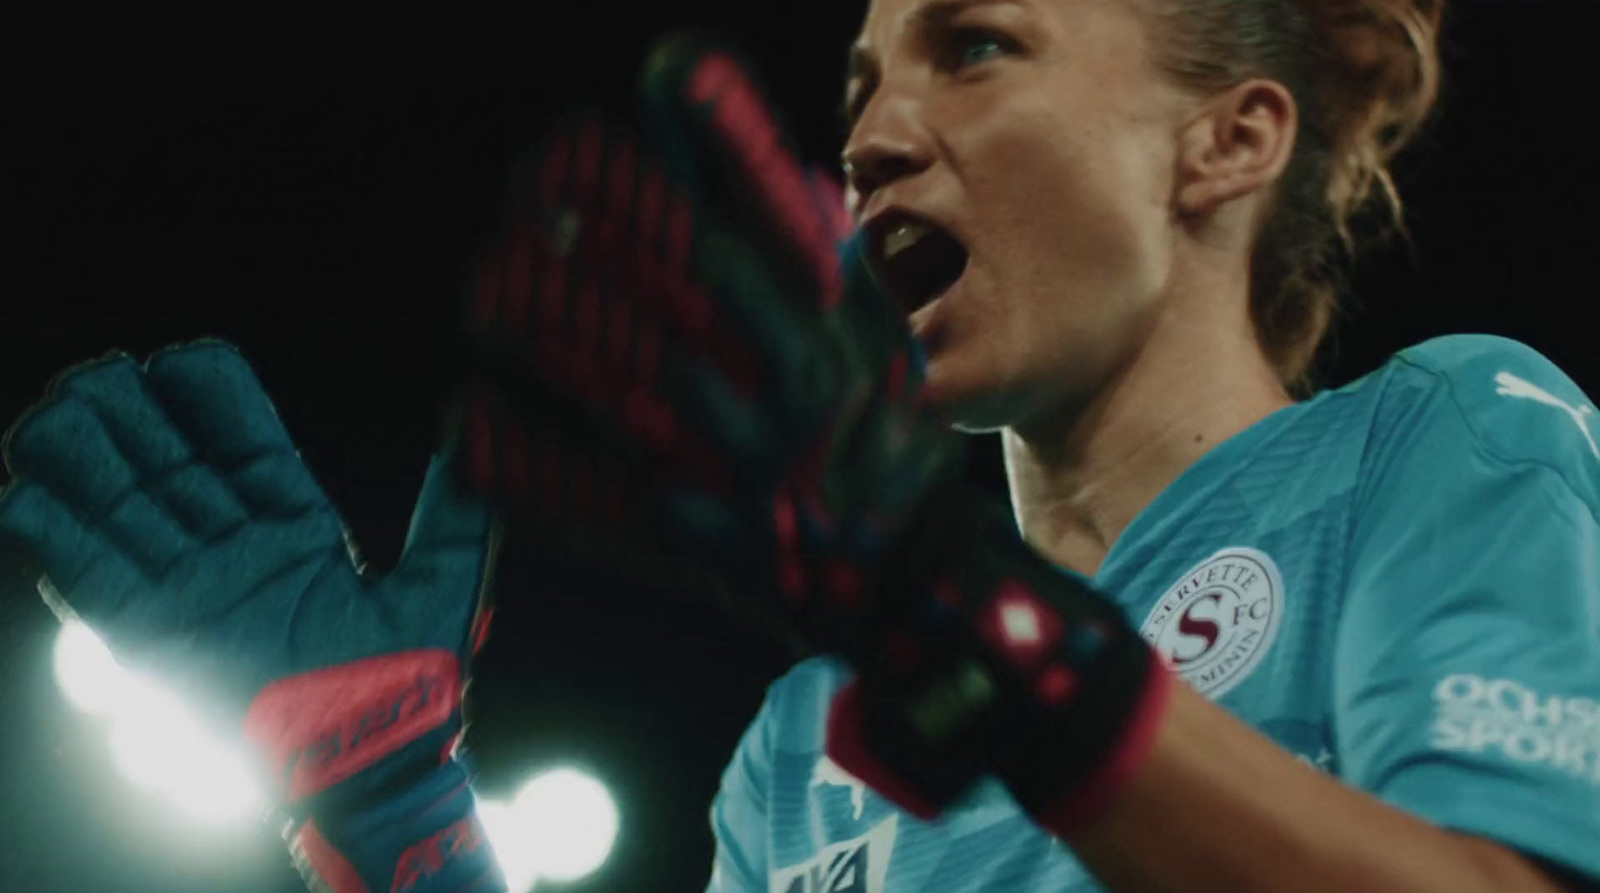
{"points": [[745, 288], [598, 248], [879, 332], [444, 569], [592, 491], [743, 431], [707, 527], [567, 215], [723, 138], [87, 571], [64, 447], [211, 393], [552, 493], [636, 386], [657, 529], [163, 461], [830, 197], [603, 497], [599, 334], [520, 286], [544, 463]]}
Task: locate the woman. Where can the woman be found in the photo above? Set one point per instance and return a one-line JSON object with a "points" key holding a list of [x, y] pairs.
{"points": [[1393, 582], [1110, 223]]}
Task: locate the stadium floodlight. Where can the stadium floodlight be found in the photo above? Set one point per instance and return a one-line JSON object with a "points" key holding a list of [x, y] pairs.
{"points": [[561, 824], [508, 839], [161, 746], [85, 671], [157, 743], [568, 822]]}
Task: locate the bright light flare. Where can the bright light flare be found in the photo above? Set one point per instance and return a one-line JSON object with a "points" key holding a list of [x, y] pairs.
{"points": [[85, 670], [561, 825], [571, 822], [507, 837], [156, 742]]}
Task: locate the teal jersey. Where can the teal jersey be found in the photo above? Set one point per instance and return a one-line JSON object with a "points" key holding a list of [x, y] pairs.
{"points": [[1397, 581]]}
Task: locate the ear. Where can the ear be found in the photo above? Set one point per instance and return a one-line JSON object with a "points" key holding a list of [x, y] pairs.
{"points": [[1239, 145]]}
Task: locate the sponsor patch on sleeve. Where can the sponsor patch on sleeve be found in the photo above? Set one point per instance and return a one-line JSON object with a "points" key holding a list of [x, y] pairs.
{"points": [[1507, 720]]}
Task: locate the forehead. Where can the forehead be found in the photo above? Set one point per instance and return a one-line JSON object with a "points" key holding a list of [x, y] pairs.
{"points": [[886, 20], [889, 23]]}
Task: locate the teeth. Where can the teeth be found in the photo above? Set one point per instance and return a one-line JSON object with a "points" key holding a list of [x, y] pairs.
{"points": [[903, 236]]}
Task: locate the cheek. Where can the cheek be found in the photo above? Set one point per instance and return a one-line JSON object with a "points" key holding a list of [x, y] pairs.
{"points": [[1076, 241], [1068, 257], [1066, 191]]}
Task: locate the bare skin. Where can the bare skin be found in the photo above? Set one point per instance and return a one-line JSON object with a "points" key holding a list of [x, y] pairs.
{"points": [[1102, 327]]}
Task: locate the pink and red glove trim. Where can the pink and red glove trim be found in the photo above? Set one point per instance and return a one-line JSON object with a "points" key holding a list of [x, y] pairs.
{"points": [[1064, 816], [369, 709]]}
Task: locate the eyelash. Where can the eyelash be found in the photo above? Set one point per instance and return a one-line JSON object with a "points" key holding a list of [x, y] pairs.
{"points": [[950, 57], [959, 40]]}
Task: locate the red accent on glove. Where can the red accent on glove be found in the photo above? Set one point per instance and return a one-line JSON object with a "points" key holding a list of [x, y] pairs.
{"points": [[850, 753], [480, 629], [830, 195], [327, 863], [426, 858], [1065, 817], [742, 119], [368, 710]]}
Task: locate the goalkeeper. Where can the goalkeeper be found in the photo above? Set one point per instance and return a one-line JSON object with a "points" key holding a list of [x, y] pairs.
{"points": [[663, 372], [1107, 223]]}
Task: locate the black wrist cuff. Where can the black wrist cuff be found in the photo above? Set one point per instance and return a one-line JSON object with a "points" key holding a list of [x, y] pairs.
{"points": [[986, 658]]}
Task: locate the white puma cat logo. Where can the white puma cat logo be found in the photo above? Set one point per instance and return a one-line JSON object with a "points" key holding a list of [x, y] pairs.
{"points": [[829, 772], [1512, 386]]}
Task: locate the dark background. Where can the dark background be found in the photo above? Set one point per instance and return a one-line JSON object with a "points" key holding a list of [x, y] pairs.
{"points": [[318, 208]]}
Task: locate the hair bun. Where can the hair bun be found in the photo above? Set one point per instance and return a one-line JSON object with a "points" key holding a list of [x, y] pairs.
{"points": [[1381, 56], [1365, 75]]}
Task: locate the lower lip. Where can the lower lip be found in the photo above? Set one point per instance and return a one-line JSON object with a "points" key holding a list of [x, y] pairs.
{"points": [[919, 320], [922, 318]]}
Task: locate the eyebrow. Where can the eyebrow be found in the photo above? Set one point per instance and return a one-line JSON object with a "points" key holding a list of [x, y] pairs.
{"points": [[861, 61]]}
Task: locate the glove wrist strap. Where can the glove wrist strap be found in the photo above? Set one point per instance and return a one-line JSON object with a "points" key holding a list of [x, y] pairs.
{"points": [[426, 837], [990, 659]]}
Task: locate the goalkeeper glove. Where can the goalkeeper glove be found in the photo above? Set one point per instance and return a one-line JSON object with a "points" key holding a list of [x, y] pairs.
{"points": [[689, 363], [165, 505]]}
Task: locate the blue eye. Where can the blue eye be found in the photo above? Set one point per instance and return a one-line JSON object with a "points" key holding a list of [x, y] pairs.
{"points": [[980, 51], [975, 45]]}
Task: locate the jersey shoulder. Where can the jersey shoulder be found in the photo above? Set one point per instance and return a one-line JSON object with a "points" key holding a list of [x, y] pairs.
{"points": [[797, 703], [1492, 400]]}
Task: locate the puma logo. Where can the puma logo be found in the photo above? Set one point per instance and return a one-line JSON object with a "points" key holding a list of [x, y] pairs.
{"points": [[1512, 386], [827, 772]]}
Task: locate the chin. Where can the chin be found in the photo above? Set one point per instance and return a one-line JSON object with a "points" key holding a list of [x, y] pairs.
{"points": [[985, 397], [973, 409]]}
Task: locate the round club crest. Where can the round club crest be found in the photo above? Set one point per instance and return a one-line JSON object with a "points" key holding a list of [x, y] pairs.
{"points": [[1217, 622]]}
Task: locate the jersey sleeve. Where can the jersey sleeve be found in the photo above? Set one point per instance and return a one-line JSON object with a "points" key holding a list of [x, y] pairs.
{"points": [[739, 811], [1467, 665]]}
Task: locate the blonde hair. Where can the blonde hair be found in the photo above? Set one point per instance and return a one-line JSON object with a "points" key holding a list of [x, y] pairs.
{"points": [[1366, 77]]}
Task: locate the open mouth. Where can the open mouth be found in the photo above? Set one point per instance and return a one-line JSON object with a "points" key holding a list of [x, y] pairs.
{"points": [[913, 259]]}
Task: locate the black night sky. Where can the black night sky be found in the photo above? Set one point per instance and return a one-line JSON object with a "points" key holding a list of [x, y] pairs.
{"points": [[320, 212]]}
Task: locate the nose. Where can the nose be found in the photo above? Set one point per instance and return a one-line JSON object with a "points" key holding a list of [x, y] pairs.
{"points": [[887, 144]]}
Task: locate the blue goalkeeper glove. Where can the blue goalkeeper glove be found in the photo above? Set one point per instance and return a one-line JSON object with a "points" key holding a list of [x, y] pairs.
{"points": [[166, 507]]}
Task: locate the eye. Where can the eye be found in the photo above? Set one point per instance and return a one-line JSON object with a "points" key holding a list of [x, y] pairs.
{"points": [[973, 46]]}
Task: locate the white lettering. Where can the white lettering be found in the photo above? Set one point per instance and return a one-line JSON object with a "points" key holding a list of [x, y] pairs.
{"points": [[1506, 719]]}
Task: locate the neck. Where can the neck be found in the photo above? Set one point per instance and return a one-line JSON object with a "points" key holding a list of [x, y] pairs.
{"points": [[1078, 477]]}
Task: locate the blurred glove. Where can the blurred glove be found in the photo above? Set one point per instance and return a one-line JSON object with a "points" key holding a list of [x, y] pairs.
{"points": [[690, 368], [166, 507], [701, 375]]}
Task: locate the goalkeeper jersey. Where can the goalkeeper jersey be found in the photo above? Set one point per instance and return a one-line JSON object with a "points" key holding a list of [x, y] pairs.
{"points": [[1397, 581]]}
